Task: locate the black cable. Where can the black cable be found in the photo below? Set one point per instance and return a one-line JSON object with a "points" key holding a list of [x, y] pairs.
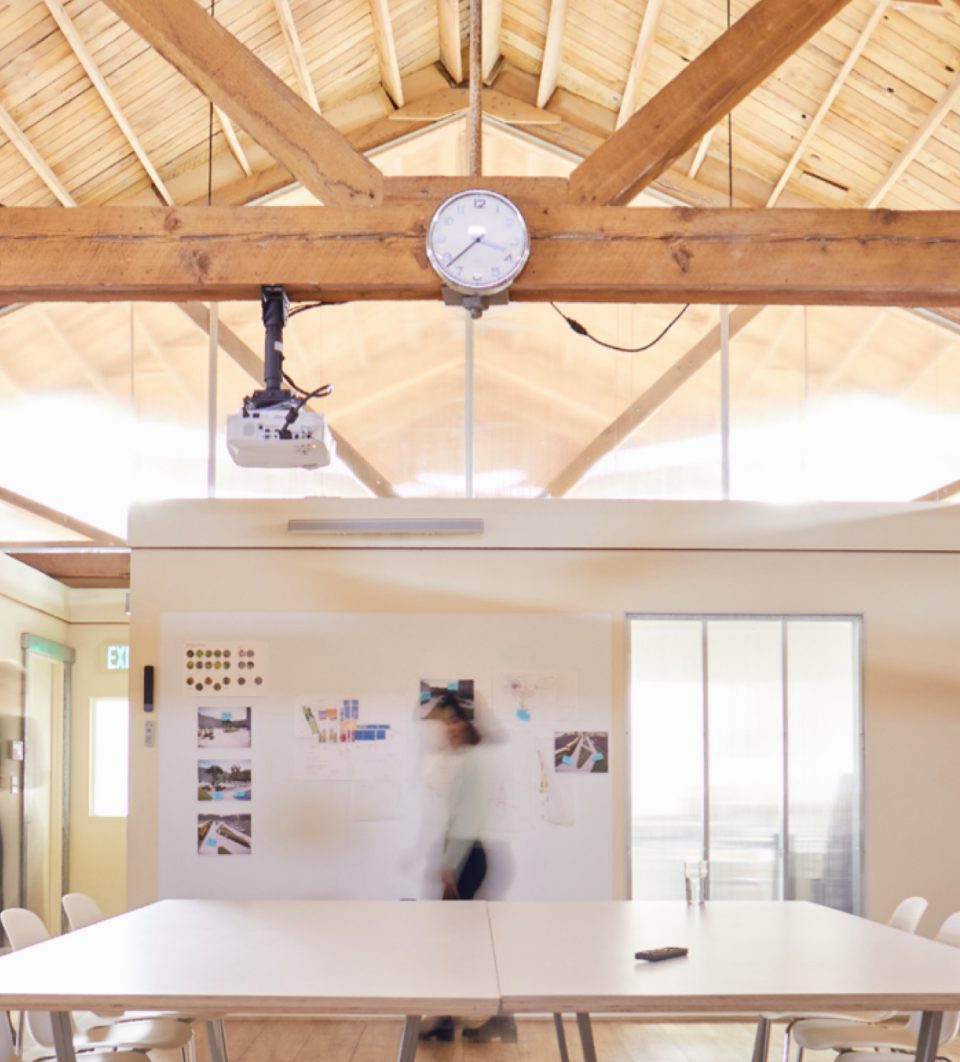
{"points": [[581, 330]]}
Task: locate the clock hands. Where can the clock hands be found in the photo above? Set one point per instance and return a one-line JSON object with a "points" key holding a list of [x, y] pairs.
{"points": [[462, 252]]}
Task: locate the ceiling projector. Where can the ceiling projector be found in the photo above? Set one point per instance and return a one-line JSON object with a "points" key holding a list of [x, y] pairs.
{"points": [[280, 436]]}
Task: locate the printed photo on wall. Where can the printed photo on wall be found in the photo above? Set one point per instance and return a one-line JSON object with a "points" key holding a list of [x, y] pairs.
{"points": [[581, 752], [224, 780], [223, 728], [223, 835], [431, 691]]}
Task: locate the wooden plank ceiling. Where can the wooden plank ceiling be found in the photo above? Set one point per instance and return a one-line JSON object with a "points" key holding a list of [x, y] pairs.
{"points": [[844, 108]]}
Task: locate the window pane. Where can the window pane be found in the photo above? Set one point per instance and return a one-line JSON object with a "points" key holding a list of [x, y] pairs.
{"points": [[745, 735], [109, 725], [666, 754], [823, 775]]}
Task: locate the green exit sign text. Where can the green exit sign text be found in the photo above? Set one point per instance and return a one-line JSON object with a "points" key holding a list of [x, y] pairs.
{"points": [[118, 657]]}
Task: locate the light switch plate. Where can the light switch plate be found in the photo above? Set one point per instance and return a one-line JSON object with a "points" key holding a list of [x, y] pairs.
{"points": [[149, 732]]}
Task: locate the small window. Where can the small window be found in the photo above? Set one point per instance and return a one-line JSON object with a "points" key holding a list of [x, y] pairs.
{"points": [[109, 751]]}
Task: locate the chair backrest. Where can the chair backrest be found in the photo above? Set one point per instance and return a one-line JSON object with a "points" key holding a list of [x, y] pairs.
{"points": [[8, 1052], [907, 914], [24, 928], [948, 933], [81, 910]]}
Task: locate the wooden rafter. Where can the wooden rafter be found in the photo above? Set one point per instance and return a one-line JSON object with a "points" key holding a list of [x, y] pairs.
{"points": [[919, 138], [252, 364], [642, 408], [316, 153], [54, 516], [552, 51], [76, 43], [648, 30], [298, 60], [608, 254], [230, 135], [944, 493], [701, 153], [694, 101], [827, 102], [448, 26], [386, 50], [34, 159], [490, 45]]}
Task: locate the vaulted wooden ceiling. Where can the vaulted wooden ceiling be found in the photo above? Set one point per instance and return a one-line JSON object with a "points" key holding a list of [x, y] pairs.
{"points": [[820, 135]]}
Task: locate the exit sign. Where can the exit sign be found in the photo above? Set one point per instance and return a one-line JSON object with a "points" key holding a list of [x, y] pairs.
{"points": [[118, 657]]}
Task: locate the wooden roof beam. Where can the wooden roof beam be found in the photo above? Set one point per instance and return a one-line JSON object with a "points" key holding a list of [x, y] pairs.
{"points": [[69, 31], [648, 30], [33, 158], [694, 101], [55, 516], [490, 43], [643, 408], [252, 364], [298, 60], [448, 28], [233, 143], [386, 50], [919, 138], [827, 102], [316, 153], [594, 254], [552, 51]]}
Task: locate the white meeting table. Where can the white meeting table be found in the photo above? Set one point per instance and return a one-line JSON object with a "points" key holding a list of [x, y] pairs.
{"points": [[211, 958], [743, 957]]}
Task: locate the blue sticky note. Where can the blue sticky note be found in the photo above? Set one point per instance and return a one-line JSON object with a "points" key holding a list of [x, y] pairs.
{"points": [[454, 686], [217, 796], [226, 714], [211, 842], [523, 714], [567, 759], [597, 757]]}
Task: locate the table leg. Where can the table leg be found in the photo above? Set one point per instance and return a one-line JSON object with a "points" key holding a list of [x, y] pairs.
{"points": [[586, 1038], [408, 1041], [217, 1038], [929, 1038], [63, 1036], [761, 1041], [561, 1037]]}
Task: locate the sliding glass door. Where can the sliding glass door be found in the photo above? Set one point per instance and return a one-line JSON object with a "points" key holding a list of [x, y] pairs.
{"points": [[745, 749]]}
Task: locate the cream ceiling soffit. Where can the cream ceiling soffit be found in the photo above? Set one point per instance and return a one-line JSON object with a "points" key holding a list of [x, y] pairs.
{"points": [[922, 135], [490, 43], [448, 29], [235, 347], [734, 256], [944, 493], [697, 98], [315, 152], [838, 82], [34, 159], [386, 50], [648, 30], [69, 31], [552, 51], [95, 534], [298, 60], [233, 143], [615, 433]]}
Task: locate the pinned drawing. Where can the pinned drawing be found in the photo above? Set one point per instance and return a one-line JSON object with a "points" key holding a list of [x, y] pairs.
{"points": [[224, 668], [529, 696], [431, 691], [224, 780], [224, 835], [581, 752], [223, 728]]}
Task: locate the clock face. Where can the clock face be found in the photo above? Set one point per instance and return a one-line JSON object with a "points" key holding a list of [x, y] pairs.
{"points": [[478, 241]]}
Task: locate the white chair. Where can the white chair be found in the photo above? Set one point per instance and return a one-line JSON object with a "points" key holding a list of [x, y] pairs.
{"points": [[83, 910], [23, 929], [819, 1034], [906, 916], [8, 1052]]}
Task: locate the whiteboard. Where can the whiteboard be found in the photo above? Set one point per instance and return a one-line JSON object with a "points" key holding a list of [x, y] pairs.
{"points": [[344, 807]]}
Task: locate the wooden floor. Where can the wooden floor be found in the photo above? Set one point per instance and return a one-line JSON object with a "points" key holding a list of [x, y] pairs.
{"points": [[326, 1040]]}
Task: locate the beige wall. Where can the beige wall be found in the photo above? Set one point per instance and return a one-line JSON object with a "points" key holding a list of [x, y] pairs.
{"points": [[895, 565], [32, 603]]}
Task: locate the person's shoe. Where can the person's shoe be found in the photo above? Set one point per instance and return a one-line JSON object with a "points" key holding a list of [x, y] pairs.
{"points": [[441, 1029], [500, 1027]]}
